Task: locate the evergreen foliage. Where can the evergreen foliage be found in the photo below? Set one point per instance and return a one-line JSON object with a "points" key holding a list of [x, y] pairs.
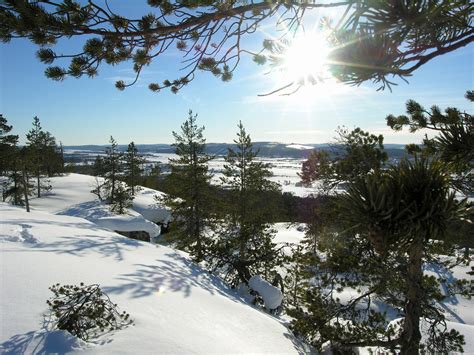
{"points": [[122, 199], [132, 167], [44, 157], [39, 157], [355, 154], [112, 167], [99, 170], [375, 238], [85, 311], [454, 142], [244, 246], [189, 194], [372, 40], [8, 144]]}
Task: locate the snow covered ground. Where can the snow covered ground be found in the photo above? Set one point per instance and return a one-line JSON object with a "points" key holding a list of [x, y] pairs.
{"points": [[71, 196], [177, 306]]}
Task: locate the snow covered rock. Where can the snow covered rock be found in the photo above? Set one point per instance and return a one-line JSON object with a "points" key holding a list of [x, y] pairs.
{"points": [[123, 223], [272, 296], [146, 204]]}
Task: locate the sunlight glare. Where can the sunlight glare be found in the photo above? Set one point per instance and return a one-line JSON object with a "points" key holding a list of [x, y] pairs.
{"points": [[306, 58]]}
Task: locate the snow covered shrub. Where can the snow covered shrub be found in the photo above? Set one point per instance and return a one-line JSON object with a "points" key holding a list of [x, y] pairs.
{"points": [[85, 311]]}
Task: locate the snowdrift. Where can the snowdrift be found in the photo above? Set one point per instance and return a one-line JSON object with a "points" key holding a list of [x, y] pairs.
{"points": [[272, 296], [177, 307], [71, 196]]}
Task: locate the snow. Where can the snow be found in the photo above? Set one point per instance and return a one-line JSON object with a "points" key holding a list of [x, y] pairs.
{"points": [[129, 224], [147, 205], [177, 306], [71, 195], [272, 296], [300, 146]]}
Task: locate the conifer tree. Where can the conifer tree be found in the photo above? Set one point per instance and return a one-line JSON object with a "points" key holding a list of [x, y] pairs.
{"points": [[112, 169], [375, 239], [189, 189], [43, 154], [354, 153], [122, 199], [9, 162], [453, 142], [8, 144], [16, 164], [133, 167], [98, 167], [245, 244], [372, 40]]}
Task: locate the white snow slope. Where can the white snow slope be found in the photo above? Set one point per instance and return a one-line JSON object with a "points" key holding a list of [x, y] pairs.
{"points": [[177, 307], [71, 196]]}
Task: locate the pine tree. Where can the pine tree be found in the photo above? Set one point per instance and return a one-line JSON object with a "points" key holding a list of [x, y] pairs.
{"points": [[112, 169], [453, 142], [43, 154], [122, 199], [372, 40], [8, 144], [245, 244], [15, 163], [189, 189], [98, 170], [354, 154], [378, 235], [133, 167]]}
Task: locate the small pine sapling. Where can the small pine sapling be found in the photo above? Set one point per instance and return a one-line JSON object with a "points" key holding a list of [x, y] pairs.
{"points": [[85, 311]]}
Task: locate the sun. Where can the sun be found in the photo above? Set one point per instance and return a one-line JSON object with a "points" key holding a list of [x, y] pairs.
{"points": [[305, 58]]}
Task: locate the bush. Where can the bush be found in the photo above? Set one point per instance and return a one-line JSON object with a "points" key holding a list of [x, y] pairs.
{"points": [[85, 311]]}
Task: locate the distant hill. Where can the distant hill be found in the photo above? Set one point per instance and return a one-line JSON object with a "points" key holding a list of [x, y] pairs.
{"points": [[266, 149]]}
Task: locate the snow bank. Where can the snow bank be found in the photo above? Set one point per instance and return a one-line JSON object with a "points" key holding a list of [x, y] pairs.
{"points": [[71, 195], [43, 342], [146, 204], [125, 223], [178, 308], [272, 296]]}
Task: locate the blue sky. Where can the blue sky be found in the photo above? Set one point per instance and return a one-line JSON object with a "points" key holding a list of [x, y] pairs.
{"points": [[88, 111]]}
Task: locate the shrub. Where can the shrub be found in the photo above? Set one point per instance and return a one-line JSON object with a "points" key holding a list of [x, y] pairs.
{"points": [[85, 311]]}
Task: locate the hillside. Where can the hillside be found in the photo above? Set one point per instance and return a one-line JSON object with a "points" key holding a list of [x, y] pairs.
{"points": [[177, 306]]}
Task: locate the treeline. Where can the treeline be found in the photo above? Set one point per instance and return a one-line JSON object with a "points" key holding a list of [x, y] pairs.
{"points": [[25, 169]]}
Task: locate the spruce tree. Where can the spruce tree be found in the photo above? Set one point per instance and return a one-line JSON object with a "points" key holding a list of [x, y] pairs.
{"points": [[189, 190], [133, 167], [245, 245]]}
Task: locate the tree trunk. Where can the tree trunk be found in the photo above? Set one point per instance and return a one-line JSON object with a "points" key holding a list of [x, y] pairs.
{"points": [[38, 181], [411, 335], [25, 190]]}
